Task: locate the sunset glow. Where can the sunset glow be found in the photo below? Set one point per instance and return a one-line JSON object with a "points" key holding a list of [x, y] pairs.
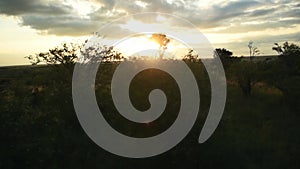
{"points": [[143, 45], [32, 26]]}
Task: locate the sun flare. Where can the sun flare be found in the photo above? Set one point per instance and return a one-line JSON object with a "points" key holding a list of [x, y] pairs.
{"points": [[145, 46]]}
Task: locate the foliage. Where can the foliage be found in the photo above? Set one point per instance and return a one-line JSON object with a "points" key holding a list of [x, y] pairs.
{"points": [[284, 73], [39, 128], [104, 53], [287, 49], [67, 54], [226, 57], [246, 75], [162, 40], [224, 53], [191, 56], [259, 131], [288, 54]]}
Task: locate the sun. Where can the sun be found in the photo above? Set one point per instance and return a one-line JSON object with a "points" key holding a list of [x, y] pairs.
{"points": [[144, 46], [137, 45]]}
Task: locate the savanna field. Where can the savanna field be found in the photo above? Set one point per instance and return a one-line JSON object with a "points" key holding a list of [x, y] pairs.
{"points": [[259, 128]]}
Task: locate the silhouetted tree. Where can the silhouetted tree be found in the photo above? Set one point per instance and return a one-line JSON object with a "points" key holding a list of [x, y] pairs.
{"points": [[163, 41], [61, 60], [289, 54], [67, 54], [278, 49], [226, 57], [286, 49], [245, 73], [98, 53], [284, 73], [224, 53], [191, 56]]}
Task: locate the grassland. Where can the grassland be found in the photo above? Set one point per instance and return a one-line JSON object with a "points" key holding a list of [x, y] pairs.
{"points": [[39, 127]]}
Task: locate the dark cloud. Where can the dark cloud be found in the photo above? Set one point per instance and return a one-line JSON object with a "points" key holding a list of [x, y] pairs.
{"points": [[55, 17], [283, 16], [217, 15], [114, 32], [70, 25], [20, 7], [261, 12], [101, 14], [60, 25], [251, 27]]}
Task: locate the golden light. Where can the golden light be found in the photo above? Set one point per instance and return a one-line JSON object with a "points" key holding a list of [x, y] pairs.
{"points": [[82, 8], [138, 46], [144, 46]]}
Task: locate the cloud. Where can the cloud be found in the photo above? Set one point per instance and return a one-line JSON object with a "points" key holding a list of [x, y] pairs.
{"points": [[261, 12], [264, 43], [57, 17], [230, 16], [60, 25], [279, 38], [272, 17], [20, 7], [108, 3]]}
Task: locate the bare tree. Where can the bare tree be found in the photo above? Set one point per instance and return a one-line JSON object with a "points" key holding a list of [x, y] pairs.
{"points": [[253, 50]]}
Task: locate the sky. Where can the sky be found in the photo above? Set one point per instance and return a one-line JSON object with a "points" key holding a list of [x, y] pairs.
{"points": [[31, 26]]}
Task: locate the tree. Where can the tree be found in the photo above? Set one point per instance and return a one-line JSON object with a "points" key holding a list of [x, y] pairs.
{"points": [[104, 53], [289, 54], [190, 56], [65, 55], [253, 50], [61, 60], [284, 73], [245, 73], [278, 49], [226, 57], [163, 41], [286, 49], [224, 53]]}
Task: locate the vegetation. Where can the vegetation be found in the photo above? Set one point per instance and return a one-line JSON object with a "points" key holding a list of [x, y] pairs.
{"points": [[253, 50], [162, 41], [259, 128]]}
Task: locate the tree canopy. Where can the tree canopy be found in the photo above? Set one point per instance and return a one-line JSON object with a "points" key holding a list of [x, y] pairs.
{"points": [[162, 40]]}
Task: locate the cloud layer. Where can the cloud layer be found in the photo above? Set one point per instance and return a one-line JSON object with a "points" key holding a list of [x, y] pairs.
{"points": [[80, 17]]}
